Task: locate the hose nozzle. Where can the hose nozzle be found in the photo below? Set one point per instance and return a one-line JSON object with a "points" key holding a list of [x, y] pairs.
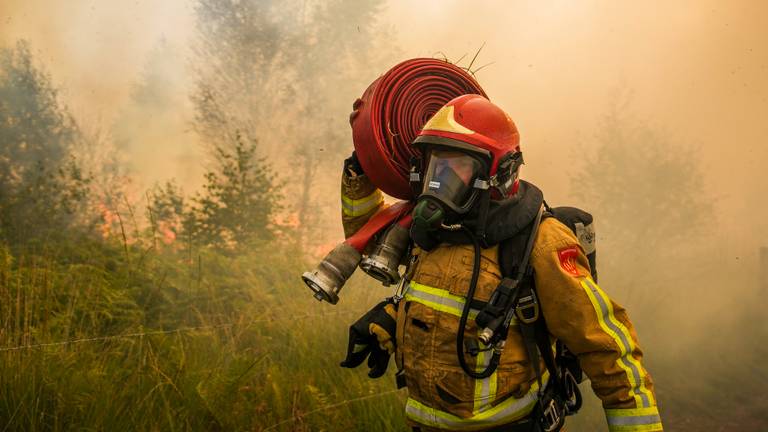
{"points": [[332, 273], [383, 263]]}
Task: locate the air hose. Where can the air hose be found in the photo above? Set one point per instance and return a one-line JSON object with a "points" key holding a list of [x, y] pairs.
{"points": [[494, 362], [392, 111], [495, 358]]}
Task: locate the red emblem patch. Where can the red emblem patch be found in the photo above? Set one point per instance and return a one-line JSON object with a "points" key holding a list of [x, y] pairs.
{"points": [[568, 260]]}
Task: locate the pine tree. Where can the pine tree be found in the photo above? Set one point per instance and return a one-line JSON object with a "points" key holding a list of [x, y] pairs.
{"points": [[287, 73], [41, 185]]}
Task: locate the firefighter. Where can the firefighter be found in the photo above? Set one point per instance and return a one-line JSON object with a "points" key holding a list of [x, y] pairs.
{"points": [[471, 222]]}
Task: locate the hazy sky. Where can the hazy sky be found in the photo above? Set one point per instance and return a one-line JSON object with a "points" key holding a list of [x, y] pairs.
{"points": [[694, 69]]}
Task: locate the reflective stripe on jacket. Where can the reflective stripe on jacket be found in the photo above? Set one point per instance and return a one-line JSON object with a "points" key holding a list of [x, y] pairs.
{"points": [[576, 310], [441, 394], [359, 201], [595, 328]]}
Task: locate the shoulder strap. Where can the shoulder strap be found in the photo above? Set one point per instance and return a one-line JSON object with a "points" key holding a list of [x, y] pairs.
{"points": [[526, 307], [535, 333]]}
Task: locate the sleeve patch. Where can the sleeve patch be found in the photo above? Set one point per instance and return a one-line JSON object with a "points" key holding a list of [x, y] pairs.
{"points": [[567, 257], [586, 236]]}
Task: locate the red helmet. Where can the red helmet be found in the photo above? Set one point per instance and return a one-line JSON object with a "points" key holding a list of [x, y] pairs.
{"points": [[470, 125]]}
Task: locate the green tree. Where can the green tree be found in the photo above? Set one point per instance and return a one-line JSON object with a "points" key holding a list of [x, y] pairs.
{"points": [[166, 209], [238, 201], [287, 73], [42, 188]]}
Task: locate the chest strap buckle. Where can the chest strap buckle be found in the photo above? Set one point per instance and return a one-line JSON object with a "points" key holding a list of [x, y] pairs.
{"points": [[527, 310]]}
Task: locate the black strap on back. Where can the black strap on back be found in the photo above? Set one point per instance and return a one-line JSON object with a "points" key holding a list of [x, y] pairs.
{"points": [[561, 396], [500, 320], [535, 334]]}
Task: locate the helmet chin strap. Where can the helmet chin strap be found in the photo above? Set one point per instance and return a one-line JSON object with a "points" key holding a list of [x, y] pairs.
{"points": [[485, 202]]}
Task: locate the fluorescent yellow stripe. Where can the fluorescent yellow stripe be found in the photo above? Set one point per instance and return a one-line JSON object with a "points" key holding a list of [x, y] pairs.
{"points": [[655, 427], [485, 389], [510, 410], [437, 292], [375, 196], [632, 346], [608, 322], [480, 398], [631, 412], [359, 207], [440, 307], [617, 339], [633, 419], [438, 299]]}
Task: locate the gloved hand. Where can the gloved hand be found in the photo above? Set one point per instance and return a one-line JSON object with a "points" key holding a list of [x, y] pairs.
{"points": [[352, 166], [373, 336]]}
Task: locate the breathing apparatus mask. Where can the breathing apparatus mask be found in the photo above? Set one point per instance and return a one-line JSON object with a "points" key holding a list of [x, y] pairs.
{"points": [[456, 185]]}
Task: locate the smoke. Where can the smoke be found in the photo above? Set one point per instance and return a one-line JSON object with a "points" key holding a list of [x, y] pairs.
{"points": [[693, 71], [98, 53]]}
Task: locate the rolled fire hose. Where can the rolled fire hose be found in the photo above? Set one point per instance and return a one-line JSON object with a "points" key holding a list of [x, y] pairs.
{"points": [[385, 120], [392, 111]]}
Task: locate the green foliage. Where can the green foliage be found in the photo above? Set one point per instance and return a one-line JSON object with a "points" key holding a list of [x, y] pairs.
{"points": [[235, 209], [41, 186], [301, 62], [230, 343], [166, 211], [239, 199], [35, 127]]}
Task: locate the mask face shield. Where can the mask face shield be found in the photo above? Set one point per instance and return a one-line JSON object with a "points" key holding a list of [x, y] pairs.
{"points": [[450, 178]]}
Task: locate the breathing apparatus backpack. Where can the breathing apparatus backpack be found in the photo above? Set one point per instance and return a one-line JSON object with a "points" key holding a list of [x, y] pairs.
{"points": [[516, 297], [562, 396]]}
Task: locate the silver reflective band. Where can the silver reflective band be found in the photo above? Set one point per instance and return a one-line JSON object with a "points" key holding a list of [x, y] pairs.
{"points": [[439, 299], [359, 207], [485, 389], [508, 411], [634, 420], [622, 338]]}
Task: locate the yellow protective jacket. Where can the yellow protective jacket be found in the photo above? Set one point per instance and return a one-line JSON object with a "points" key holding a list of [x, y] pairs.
{"points": [[576, 309]]}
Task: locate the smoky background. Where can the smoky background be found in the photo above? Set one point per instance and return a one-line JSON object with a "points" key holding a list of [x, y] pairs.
{"points": [[652, 116]]}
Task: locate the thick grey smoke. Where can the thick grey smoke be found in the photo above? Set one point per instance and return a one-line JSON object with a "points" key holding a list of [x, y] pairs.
{"points": [[694, 72]]}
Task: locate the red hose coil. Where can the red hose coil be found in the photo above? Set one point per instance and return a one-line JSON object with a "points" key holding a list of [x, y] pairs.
{"points": [[396, 213], [393, 110]]}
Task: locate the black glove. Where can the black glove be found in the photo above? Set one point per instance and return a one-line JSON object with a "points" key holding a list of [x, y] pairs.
{"points": [[352, 166], [373, 336]]}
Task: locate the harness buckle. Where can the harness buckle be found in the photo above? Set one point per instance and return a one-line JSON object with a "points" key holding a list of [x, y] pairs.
{"points": [[527, 310], [481, 184], [573, 399], [551, 420]]}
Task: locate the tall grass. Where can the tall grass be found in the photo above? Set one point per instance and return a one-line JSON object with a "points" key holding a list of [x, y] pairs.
{"points": [[251, 348], [206, 341]]}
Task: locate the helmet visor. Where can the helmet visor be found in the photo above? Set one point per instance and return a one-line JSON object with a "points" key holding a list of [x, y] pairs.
{"points": [[450, 176]]}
